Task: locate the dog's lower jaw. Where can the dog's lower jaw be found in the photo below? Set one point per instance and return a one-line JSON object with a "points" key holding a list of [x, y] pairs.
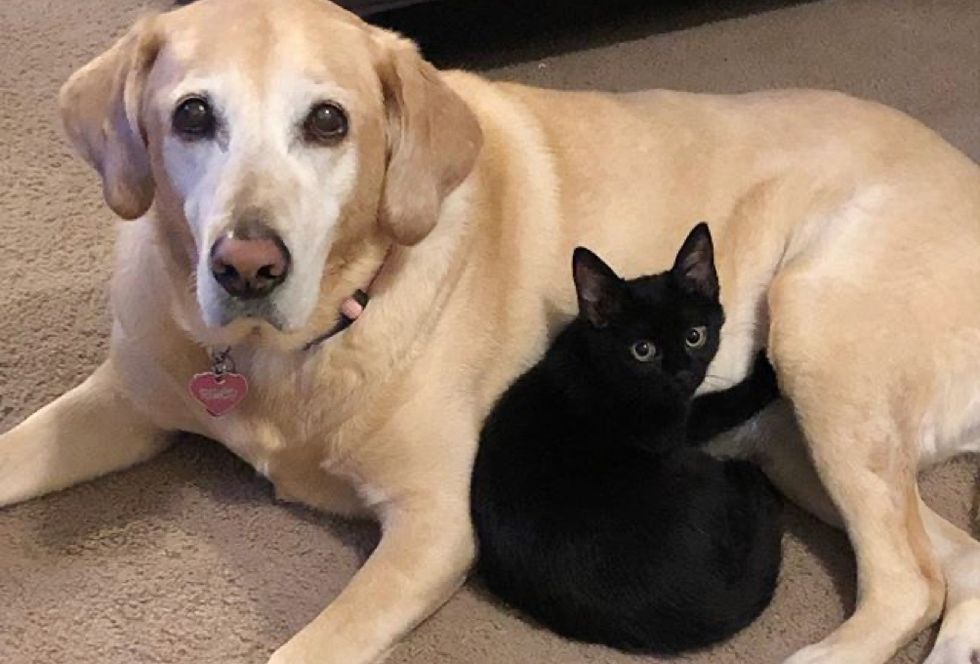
{"points": [[225, 312]]}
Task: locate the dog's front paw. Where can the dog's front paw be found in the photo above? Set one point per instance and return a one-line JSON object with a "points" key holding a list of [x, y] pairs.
{"points": [[825, 653], [11, 481], [286, 656], [815, 654], [306, 648]]}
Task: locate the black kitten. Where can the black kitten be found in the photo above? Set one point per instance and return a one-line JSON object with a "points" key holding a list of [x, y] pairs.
{"points": [[593, 515]]}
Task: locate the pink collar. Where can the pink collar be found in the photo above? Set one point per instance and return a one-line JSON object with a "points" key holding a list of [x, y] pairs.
{"points": [[350, 309]]}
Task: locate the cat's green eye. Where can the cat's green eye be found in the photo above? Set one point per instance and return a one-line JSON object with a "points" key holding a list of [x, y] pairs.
{"points": [[696, 337], [644, 350]]}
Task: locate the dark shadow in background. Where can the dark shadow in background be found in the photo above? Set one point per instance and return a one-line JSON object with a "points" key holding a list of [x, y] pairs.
{"points": [[482, 34]]}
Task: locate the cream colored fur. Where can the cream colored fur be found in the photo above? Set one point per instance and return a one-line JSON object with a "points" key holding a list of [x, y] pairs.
{"points": [[847, 239]]}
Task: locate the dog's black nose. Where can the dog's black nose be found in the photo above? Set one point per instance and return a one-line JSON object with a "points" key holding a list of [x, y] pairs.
{"points": [[250, 263]]}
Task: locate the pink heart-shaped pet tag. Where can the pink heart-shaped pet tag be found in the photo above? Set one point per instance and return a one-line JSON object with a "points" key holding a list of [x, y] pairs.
{"points": [[218, 394]]}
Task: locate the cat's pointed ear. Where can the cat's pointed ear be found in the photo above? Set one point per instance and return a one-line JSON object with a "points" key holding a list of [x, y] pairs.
{"points": [[694, 266], [600, 290]]}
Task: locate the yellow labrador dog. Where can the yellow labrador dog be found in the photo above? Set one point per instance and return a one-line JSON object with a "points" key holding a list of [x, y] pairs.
{"points": [[283, 158]]}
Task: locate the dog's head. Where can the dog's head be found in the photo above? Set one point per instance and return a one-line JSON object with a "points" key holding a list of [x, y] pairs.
{"points": [[270, 135]]}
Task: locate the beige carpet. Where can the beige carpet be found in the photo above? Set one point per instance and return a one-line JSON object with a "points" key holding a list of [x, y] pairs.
{"points": [[188, 558]]}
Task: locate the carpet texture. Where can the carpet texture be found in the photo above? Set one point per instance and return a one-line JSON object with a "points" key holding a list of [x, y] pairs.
{"points": [[188, 558]]}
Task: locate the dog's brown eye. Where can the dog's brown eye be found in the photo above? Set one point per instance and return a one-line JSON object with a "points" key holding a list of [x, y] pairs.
{"points": [[643, 350], [326, 123], [696, 337], [193, 118]]}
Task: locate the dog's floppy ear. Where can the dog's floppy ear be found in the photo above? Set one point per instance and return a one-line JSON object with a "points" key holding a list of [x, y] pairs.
{"points": [[433, 140], [100, 108]]}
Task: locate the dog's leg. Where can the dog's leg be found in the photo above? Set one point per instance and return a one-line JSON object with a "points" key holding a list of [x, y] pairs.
{"points": [[774, 440], [427, 548], [860, 426], [417, 481], [900, 586], [89, 431]]}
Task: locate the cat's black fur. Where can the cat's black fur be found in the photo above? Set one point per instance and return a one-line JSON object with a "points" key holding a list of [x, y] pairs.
{"points": [[594, 516]]}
